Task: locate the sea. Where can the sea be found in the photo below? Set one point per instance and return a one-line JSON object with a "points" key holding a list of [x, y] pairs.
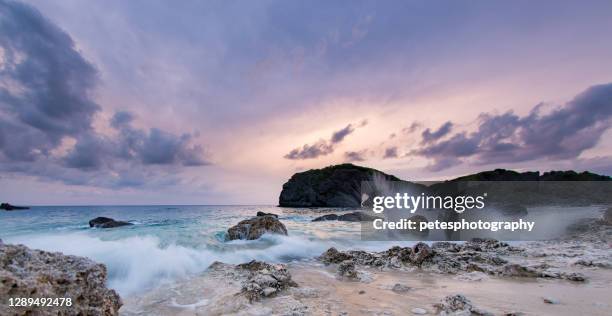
{"points": [[169, 243]]}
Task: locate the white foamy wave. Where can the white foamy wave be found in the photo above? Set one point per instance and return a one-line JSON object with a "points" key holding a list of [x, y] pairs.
{"points": [[136, 264]]}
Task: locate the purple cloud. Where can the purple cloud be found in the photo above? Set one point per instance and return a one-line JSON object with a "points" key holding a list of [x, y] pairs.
{"points": [[564, 133]]}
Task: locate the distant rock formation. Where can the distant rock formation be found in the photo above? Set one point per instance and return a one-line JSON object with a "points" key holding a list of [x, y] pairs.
{"points": [[105, 222], [9, 207], [34, 273], [334, 186], [349, 217], [340, 186], [255, 227], [510, 175]]}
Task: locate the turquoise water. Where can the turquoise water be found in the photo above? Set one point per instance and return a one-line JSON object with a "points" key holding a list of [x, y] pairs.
{"points": [[172, 242]]}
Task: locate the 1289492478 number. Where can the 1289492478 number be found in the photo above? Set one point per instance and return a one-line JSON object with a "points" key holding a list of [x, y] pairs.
{"points": [[40, 301]]}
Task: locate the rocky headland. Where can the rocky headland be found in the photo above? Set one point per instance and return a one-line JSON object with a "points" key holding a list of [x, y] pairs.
{"points": [[341, 186]]}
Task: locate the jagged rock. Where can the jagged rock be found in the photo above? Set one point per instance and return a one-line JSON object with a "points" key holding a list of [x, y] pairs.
{"points": [[255, 227], [349, 217], [9, 207], [264, 279], [105, 222], [458, 304], [260, 213], [346, 269], [332, 255], [478, 255], [334, 186], [420, 253], [34, 273]]}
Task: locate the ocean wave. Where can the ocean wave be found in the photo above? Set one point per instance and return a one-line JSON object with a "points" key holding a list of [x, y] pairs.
{"points": [[136, 264]]}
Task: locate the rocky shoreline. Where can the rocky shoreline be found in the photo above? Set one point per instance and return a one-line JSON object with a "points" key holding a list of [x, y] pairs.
{"points": [[28, 273], [443, 278]]}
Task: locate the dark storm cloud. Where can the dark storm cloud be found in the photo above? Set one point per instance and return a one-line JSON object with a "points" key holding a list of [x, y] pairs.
{"points": [[564, 133], [153, 147], [46, 89], [428, 136], [323, 147], [45, 84]]}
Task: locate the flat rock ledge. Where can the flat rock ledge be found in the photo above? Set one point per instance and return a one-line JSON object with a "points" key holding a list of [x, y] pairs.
{"points": [[482, 255], [258, 279], [32, 273]]}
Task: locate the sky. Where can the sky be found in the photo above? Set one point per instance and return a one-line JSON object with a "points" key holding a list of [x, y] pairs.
{"points": [[220, 102]]}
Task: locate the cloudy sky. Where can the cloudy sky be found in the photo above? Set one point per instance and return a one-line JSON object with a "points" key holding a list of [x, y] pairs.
{"points": [[220, 102]]}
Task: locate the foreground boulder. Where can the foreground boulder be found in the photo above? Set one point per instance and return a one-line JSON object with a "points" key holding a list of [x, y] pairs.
{"points": [[334, 186], [258, 279], [255, 227], [40, 274], [9, 207], [105, 222], [349, 217]]}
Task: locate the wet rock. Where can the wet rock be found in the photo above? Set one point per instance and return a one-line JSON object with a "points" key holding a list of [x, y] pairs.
{"points": [[259, 213], [264, 280], [332, 255], [349, 217], [346, 269], [420, 253], [255, 227], [106, 222], [473, 259], [458, 305], [34, 273]]}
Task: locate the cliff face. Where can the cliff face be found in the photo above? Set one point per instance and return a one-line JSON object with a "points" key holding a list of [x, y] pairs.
{"points": [[31, 273], [334, 186]]}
